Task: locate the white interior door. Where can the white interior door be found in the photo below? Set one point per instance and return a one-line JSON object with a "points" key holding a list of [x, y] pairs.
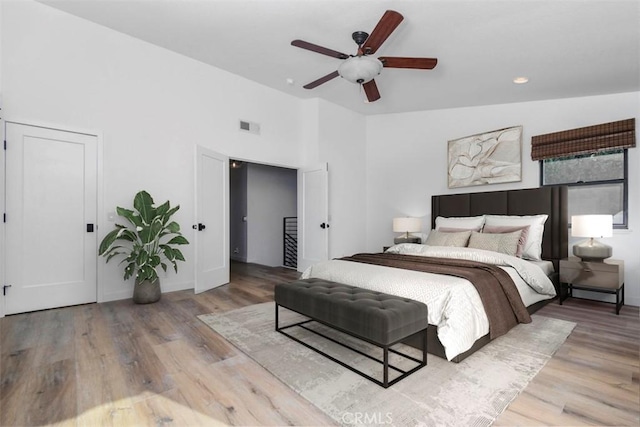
{"points": [[51, 246], [313, 218], [212, 219]]}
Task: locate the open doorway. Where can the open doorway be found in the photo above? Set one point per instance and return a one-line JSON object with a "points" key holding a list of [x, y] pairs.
{"points": [[263, 214]]}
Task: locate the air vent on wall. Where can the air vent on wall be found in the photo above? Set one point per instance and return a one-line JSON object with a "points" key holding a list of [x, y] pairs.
{"points": [[250, 127]]}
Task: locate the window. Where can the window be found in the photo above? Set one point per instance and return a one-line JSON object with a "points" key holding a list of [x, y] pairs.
{"points": [[597, 182], [593, 162]]}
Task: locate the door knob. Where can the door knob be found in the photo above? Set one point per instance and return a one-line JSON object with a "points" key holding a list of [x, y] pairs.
{"points": [[324, 225], [199, 226]]}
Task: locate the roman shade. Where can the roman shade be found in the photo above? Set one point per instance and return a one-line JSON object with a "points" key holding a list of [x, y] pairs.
{"points": [[590, 139]]}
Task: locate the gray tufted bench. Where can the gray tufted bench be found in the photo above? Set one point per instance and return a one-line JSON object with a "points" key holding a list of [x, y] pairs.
{"points": [[378, 318]]}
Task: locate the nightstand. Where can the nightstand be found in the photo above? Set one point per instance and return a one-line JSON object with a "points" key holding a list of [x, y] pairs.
{"points": [[606, 277]]}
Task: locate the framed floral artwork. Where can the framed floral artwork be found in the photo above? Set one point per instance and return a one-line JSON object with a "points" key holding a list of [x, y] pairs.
{"points": [[486, 158]]}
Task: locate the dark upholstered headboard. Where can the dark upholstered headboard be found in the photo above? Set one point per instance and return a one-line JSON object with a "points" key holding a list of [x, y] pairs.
{"points": [[532, 201]]}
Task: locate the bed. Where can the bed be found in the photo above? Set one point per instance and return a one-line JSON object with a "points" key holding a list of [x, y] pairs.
{"points": [[452, 338]]}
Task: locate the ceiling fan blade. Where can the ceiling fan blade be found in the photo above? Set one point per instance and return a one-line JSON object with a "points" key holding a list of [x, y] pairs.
{"points": [[371, 90], [319, 49], [389, 21], [399, 62], [321, 80]]}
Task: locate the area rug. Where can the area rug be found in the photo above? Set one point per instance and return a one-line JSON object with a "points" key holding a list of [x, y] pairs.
{"points": [[471, 393]]}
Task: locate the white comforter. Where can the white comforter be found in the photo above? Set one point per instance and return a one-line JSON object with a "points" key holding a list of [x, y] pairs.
{"points": [[454, 304]]}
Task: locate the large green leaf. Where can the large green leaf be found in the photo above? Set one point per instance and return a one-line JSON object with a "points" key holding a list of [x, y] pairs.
{"points": [[171, 211], [108, 241], [173, 227], [178, 255], [150, 233], [129, 270], [132, 256], [112, 254], [154, 261], [146, 272], [114, 248], [168, 252], [142, 258], [128, 235], [178, 240], [143, 203], [162, 210], [130, 215]]}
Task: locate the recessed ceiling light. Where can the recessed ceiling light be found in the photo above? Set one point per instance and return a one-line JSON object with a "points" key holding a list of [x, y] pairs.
{"points": [[520, 80]]}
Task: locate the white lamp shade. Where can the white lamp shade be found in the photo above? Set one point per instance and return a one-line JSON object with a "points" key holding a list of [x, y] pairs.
{"points": [[360, 69], [592, 225], [407, 225]]}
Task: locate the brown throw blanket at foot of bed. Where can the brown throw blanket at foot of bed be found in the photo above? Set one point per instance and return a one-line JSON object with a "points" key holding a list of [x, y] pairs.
{"points": [[498, 293]]}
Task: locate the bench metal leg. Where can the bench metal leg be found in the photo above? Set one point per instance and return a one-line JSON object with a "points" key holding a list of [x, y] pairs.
{"points": [[385, 348], [424, 347], [385, 375]]}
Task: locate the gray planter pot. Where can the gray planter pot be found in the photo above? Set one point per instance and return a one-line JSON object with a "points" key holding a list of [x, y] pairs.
{"points": [[146, 292]]}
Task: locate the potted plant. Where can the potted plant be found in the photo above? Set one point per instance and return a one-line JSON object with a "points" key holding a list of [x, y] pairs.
{"points": [[149, 241]]}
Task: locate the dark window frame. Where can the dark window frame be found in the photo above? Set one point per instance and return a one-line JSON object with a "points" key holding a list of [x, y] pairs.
{"points": [[624, 182]]}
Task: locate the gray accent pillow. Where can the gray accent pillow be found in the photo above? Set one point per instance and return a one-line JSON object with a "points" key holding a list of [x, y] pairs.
{"points": [[440, 238], [506, 243], [524, 232]]}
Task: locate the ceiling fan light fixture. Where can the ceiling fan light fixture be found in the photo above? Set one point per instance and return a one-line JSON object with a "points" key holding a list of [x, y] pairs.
{"points": [[360, 69]]}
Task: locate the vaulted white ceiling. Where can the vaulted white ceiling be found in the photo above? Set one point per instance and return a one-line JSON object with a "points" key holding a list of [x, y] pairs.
{"points": [[567, 48]]}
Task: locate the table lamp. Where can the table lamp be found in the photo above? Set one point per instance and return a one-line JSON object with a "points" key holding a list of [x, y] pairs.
{"points": [[406, 226], [592, 226]]}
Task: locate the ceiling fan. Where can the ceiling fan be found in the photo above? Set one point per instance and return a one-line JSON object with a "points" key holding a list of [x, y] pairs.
{"points": [[361, 68]]}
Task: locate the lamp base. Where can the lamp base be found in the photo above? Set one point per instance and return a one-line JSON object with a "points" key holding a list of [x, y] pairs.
{"points": [[403, 239], [592, 250]]}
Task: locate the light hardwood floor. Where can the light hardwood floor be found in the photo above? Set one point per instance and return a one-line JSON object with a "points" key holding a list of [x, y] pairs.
{"points": [[121, 364]]}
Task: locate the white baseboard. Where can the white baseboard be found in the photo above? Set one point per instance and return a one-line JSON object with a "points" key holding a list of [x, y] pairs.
{"points": [[165, 287], [116, 296]]}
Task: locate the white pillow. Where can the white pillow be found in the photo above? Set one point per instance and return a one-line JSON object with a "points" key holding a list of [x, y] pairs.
{"points": [[533, 248], [439, 238], [474, 223]]}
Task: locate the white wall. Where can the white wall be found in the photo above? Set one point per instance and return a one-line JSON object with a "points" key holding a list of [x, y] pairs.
{"points": [[336, 135], [151, 106], [341, 143], [407, 161], [271, 195]]}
